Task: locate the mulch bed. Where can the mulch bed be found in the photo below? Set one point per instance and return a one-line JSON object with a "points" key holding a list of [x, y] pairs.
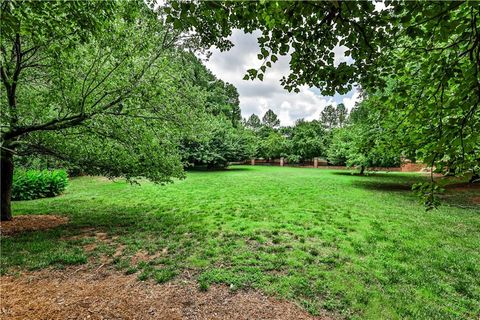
{"points": [[108, 294], [31, 223]]}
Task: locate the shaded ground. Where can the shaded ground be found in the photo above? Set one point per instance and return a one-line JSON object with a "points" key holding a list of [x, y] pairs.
{"points": [[105, 294], [31, 223], [462, 194]]}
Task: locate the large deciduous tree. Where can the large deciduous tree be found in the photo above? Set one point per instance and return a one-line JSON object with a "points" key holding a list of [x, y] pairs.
{"points": [[94, 83], [307, 31], [364, 142], [219, 144], [220, 137], [272, 146], [308, 139]]}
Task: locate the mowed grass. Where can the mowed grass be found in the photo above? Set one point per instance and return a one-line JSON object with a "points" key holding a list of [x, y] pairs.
{"points": [[361, 247]]}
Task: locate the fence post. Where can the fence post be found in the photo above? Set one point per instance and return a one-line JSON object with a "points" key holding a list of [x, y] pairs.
{"points": [[281, 162], [315, 162], [253, 162]]}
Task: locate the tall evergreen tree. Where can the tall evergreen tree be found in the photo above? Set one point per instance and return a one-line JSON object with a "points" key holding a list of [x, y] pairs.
{"points": [[253, 123], [329, 117], [270, 119], [342, 114]]}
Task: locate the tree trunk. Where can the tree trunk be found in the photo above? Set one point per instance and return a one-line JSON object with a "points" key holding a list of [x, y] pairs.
{"points": [[475, 178], [6, 177], [362, 170]]}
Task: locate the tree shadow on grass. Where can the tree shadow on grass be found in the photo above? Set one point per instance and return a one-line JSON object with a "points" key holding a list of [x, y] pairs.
{"points": [[370, 174], [347, 173], [238, 169], [462, 195], [383, 186], [109, 229], [228, 169], [384, 180]]}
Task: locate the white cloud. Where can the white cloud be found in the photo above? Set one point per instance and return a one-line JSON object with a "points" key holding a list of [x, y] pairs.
{"points": [[259, 96], [349, 102]]}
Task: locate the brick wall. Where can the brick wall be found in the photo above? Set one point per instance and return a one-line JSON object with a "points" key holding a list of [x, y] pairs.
{"points": [[413, 167]]}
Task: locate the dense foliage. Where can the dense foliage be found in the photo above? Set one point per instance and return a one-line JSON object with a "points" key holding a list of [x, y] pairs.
{"points": [[272, 146], [308, 139], [303, 141], [220, 144], [308, 31], [220, 136], [363, 142], [34, 184], [110, 92]]}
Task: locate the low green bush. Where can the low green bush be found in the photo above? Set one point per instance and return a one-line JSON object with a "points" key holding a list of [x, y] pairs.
{"points": [[33, 184]]}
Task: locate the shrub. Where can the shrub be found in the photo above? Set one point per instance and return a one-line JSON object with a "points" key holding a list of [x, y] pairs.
{"points": [[33, 184], [293, 158]]}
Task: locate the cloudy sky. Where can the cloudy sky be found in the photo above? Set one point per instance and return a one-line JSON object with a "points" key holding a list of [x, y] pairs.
{"points": [[259, 96]]}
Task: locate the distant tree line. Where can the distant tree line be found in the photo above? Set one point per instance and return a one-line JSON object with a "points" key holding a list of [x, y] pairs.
{"points": [[339, 137]]}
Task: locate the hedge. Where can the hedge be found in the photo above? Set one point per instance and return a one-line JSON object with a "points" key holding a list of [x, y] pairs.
{"points": [[34, 184]]}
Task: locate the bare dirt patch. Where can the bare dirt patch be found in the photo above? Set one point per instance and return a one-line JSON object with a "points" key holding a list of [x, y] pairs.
{"points": [[140, 256], [31, 223], [106, 294]]}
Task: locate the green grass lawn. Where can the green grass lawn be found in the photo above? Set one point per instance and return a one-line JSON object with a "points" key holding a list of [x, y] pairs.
{"points": [[362, 247]]}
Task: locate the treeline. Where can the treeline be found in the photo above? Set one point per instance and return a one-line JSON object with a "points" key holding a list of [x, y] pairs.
{"points": [[339, 137]]}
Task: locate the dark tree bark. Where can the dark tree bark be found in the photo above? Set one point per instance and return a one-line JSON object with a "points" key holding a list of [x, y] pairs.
{"points": [[362, 170], [475, 178], [6, 178]]}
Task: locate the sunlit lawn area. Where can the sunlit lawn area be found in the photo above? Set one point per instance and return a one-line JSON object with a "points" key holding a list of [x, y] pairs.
{"points": [[361, 247]]}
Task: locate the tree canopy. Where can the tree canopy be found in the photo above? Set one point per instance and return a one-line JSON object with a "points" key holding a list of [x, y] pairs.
{"points": [[253, 122], [307, 31], [102, 85], [270, 119]]}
